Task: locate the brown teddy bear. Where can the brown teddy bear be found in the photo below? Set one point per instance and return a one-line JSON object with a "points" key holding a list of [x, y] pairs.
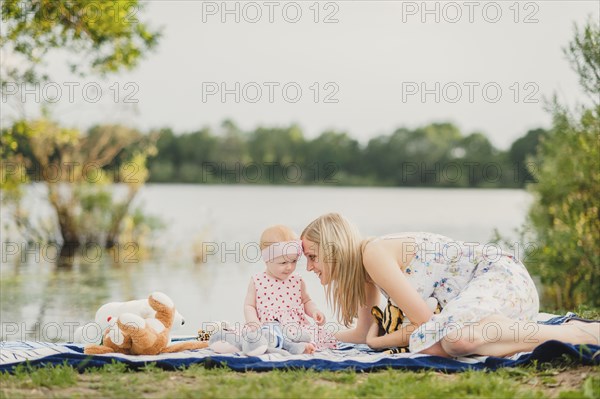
{"points": [[133, 335]]}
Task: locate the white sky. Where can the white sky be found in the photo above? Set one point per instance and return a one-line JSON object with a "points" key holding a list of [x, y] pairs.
{"points": [[374, 53]]}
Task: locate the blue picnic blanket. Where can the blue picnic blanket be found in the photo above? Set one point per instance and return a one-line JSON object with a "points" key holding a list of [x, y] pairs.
{"points": [[347, 356]]}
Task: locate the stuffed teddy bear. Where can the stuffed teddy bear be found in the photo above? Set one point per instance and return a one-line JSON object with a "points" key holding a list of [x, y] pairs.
{"points": [[107, 315], [392, 319], [268, 339], [133, 335]]}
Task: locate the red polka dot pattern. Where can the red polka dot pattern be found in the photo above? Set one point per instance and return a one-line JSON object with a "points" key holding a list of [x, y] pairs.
{"points": [[279, 299]]}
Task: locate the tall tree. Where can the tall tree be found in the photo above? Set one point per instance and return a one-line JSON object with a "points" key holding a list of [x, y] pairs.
{"points": [[99, 36]]}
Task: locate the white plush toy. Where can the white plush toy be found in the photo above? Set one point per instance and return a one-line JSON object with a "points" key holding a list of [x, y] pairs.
{"points": [[107, 315]]}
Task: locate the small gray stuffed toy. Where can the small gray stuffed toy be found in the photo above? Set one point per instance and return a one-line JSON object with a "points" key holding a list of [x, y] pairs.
{"points": [[268, 339]]}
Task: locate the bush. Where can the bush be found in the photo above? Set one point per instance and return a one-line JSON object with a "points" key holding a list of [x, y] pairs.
{"points": [[564, 218]]}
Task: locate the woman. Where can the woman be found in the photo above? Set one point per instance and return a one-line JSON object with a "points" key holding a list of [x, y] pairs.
{"points": [[489, 300]]}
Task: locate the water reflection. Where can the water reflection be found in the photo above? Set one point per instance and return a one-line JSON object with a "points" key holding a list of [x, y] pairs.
{"points": [[47, 300], [41, 293], [44, 296]]}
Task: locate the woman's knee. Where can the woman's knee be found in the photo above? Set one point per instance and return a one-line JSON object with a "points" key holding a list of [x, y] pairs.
{"points": [[435, 350], [461, 346]]}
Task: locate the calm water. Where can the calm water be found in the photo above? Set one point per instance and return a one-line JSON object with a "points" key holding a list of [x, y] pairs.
{"points": [[41, 301]]}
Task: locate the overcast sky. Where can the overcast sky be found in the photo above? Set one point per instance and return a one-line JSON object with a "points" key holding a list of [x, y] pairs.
{"points": [[486, 66]]}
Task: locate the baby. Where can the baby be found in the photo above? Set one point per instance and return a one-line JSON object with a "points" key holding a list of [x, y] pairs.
{"points": [[278, 294]]}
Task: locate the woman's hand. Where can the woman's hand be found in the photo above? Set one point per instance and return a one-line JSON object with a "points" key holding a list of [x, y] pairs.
{"points": [[399, 338]]}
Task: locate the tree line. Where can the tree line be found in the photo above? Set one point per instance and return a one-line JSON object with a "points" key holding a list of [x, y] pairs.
{"points": [[435, 155]]}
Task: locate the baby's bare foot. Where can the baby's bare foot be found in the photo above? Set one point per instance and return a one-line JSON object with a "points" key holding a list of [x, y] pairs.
{"points": [[309, 349]]}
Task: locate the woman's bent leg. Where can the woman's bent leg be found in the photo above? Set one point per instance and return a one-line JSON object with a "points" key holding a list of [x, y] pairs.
{"points": [[500, 336], [436, 350]]}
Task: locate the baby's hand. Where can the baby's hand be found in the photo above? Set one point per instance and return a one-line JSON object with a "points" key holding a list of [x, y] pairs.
{"points": [[319, 317], [310, 348]]}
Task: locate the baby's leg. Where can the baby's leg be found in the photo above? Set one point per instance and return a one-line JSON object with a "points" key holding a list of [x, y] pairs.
{"points": [[297, 348], [296, 333]]}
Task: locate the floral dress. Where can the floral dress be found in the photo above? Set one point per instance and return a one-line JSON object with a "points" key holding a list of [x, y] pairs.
{"points": [[281, 301], [470, 281]]}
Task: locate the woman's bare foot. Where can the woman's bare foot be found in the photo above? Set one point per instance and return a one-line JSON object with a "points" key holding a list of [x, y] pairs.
{"points": [[309, 349], [585, 333]]}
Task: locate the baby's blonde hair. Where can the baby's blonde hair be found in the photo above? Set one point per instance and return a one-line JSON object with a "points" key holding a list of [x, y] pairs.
{"points": [[276, 233], [340, 252]]}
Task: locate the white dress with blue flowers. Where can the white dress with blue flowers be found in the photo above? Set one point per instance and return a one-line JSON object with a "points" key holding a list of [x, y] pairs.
{"points": [[470, 281]]}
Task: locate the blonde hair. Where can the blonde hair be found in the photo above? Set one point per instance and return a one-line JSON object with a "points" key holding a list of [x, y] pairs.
{"points": [[340, 252], [276, 233]]}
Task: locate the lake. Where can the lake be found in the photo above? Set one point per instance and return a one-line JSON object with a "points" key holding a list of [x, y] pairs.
{"points": [[40, 301]]}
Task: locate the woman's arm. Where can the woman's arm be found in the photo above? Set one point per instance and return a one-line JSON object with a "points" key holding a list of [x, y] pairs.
{"points": [[383, 268], [396, 339], [250, 313], [358, 334]]}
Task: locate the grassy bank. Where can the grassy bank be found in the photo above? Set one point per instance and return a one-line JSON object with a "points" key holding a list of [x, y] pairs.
{"points": [[561, 379], [115, 381]]}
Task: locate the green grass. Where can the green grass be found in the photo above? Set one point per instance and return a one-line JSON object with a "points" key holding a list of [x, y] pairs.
{"points": [[561, 379], [115, 381]]}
